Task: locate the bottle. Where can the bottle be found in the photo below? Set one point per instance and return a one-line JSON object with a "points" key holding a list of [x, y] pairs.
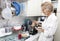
{"points": [[8, 29]]}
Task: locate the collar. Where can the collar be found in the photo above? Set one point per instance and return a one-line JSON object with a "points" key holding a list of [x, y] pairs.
{"points": [[51, 15]]}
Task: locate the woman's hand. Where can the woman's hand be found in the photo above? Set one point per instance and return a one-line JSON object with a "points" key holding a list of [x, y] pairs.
{"points": [[40, 29], [34, 23]]}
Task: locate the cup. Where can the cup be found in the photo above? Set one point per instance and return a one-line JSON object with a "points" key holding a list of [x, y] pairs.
{"points": [[19, 36]]}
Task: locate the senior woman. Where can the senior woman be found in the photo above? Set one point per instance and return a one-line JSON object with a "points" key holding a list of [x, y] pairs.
{"points": [[49, 25]]}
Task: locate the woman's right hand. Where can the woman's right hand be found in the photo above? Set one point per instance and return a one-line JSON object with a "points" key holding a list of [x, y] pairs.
{"points": [[34, 23]]}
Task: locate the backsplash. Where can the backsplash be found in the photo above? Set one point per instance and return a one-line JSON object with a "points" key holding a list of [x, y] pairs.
{"points": [[16, 20]]}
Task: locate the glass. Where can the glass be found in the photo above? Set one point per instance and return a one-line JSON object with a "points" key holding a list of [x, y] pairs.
{"points": [[8, 29]]}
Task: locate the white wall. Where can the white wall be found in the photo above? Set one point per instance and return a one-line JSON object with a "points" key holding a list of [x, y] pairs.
{"points": [[57, 35]]}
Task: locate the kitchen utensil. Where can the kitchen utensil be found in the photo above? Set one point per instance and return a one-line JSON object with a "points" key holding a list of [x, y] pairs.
{"points": [[17, 7], [6, 13]]}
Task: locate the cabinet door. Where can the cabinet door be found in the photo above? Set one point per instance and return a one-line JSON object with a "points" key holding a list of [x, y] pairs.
{"points": [[33, 8]]}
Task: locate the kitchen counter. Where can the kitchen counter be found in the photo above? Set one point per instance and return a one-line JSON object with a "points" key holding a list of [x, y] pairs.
{"points": [[12, 37], [33, 37]]}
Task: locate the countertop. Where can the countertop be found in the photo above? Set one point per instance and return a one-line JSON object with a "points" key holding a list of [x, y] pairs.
{"points": [[12, 37], [33, 37]]}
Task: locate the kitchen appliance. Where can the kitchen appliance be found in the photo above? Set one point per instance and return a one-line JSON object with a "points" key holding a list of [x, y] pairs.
{"points": [[28, 27], [27, 23]]}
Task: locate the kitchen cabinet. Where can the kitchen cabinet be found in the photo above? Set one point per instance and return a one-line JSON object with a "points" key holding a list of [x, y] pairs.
{"points": [[33, 8]]}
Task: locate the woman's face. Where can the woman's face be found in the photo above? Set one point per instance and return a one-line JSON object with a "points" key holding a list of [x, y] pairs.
{"points": [[46, 11]]}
